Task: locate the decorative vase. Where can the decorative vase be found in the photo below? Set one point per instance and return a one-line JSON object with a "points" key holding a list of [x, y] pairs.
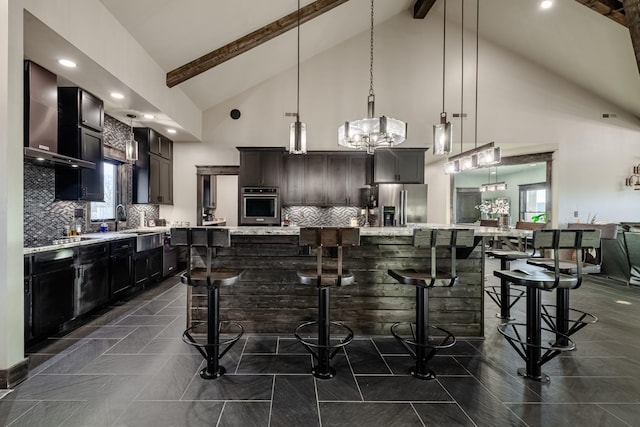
{"points": [[504, 221]]}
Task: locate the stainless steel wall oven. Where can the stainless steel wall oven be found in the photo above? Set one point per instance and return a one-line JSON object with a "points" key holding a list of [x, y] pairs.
{"points": [[259, 206]]}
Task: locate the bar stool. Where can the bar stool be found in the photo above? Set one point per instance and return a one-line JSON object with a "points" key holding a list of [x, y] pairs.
{"points": [[502, 294], [567, 321], [210, 278], [419, 346], [530, 349], [325, 277]]}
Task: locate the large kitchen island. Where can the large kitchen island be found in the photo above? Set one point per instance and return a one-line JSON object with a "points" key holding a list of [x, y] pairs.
{"points": [[269, 299]]}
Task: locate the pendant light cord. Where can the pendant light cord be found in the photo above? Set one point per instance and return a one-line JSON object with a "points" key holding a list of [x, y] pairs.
{"points": [[477, 44], [298, 97], [444, 49], [462, 77], [371, 55]]}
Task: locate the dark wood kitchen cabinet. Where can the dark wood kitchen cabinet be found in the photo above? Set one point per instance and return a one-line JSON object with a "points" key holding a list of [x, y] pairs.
{"points": [[292, 193], [324, 179], [80, 121], [260, 167], [147, 267], [395, 165], [81, 183], [27, 298], [52, 288], [92, 287], [77, 107], [346, 174], [121, 266], [153, 171]]}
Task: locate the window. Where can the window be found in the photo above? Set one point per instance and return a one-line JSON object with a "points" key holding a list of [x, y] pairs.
{"points": [[533, 202], [106, 210]]}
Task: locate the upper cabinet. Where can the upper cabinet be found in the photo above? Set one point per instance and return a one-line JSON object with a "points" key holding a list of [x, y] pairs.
{"points": [[323, 179], [160, 145], [153, 171], [404, 165], [78, 107], [260, 167], [80, 120]]}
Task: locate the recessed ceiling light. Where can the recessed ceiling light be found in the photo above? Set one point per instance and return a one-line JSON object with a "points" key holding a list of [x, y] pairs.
{"points": [[117, 95], [171, 130], [67, 63], [546, 4], [623, 302], [149, 116]]}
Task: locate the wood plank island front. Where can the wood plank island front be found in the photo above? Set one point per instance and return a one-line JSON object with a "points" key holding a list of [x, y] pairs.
{"points": [[269, 299]]}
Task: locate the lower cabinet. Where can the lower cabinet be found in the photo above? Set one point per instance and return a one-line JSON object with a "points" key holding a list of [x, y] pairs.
{"points": [[52, 288], [92, 286], [148, 267], [121, 267]]}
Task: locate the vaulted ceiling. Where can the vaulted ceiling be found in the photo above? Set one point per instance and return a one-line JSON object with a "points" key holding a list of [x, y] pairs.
{"points": [[588, 46]]}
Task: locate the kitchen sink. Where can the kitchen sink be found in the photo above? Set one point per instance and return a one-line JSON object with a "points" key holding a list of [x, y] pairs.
{"points": [[146, 240]]}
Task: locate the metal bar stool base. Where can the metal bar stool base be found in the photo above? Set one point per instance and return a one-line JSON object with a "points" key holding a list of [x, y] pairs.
{"points": [[317, 372], [212, 376], [542, 378], [429, 375]]}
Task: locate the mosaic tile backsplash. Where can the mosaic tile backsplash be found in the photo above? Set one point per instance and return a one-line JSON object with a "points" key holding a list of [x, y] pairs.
{"points": [[313, 216], [45, 218]]}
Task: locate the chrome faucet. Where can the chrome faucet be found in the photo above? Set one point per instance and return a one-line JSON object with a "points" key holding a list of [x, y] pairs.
{"points": [[120, 216]]}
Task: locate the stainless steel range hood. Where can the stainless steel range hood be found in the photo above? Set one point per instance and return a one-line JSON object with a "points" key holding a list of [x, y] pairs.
{"points": [[42, 156], [41, 118]]}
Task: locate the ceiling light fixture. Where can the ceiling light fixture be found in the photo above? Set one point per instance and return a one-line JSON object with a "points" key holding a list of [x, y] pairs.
{"points": [[67, 63], [149, 116], [131, 145], [171, 130], [634, 180], [442, 132], [298, 130], [372, 132], [478, 157], [546, 4], [117, 95], [493, 186]]}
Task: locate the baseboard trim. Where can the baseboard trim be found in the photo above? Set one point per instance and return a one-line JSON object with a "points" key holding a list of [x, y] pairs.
{"points": [[13, 376]]}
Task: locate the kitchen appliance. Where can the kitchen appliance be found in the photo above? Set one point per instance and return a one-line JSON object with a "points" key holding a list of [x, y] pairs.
{"points": [[41, 118], [169, 256], [259, 206], [398, 204]]}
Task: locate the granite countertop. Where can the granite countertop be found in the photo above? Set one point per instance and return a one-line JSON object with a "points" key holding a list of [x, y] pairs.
{"points": [[94, 238], [378, 231]]}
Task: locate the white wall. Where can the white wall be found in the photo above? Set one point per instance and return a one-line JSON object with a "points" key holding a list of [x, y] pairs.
{"points": [[522, 107], [11, 195]]}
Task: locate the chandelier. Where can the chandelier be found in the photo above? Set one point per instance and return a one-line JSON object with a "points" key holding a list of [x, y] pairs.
{"points": [[442, 132], [372, 132]]}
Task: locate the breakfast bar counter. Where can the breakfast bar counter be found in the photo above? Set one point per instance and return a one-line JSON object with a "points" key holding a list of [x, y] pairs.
{"points": [[269, 299]]}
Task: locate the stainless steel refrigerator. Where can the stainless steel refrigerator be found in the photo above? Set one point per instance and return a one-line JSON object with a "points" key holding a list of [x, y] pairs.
{"points": [[399, 204]]}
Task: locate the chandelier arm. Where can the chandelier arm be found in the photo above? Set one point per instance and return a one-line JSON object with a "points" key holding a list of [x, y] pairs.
{"points": [[444, 49], [462, 78], [475, 138]]}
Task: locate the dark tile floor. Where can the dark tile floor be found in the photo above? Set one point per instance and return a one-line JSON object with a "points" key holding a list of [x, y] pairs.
{"points": [[128, 367]]}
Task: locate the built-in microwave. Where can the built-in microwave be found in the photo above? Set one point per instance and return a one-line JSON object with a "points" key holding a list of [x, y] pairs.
{"points": [[259, 206]]}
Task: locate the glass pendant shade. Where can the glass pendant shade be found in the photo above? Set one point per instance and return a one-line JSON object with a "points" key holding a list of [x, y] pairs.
{"points": [[298, 138], [442, 134], [131, 145]]}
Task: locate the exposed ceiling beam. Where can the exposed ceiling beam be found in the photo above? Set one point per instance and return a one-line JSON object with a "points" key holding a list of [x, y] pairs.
{"points": [[632, 11], [612, 9], [248, 42], [421, 8]]}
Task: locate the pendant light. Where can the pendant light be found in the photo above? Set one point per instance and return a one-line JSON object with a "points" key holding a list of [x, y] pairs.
{"points": [[372, 132], [442, 132], [298, 130], [495, 186], [131, 146], [477, 157]]}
